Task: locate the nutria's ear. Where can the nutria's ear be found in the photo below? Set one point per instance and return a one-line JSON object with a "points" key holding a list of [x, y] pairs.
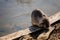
{"points": [[37, 16]]}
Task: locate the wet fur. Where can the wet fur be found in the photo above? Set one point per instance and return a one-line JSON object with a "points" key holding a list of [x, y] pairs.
{"points": [[40, 19]]}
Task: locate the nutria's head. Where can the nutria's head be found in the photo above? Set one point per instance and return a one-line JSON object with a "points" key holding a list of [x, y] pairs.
{"points": [[39, 19]]}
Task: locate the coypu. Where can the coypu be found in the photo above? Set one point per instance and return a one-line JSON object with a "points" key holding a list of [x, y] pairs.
{"points": [[40, 20]]}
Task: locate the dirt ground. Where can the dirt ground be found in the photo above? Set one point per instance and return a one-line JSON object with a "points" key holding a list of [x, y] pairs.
{"points": [[55, 34]]}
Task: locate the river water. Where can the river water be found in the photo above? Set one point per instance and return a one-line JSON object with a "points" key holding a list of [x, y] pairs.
{"points": [[15, 14]]}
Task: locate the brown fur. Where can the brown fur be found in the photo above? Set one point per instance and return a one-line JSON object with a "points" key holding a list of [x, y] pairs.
{"points": [[40, 19]]}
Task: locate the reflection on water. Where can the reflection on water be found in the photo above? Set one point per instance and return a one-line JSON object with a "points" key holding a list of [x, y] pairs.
{"points": [[15, 14]]}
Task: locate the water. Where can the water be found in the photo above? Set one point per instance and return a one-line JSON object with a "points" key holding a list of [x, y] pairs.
{"points": [[15, 14]]}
